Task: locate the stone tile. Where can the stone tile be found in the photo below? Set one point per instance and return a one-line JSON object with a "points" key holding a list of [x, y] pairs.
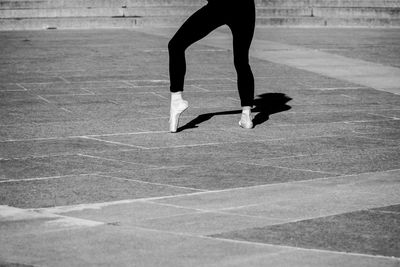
{"points": [[302, 82], [200, 155], [374, 108], [234, 198], [16, 97], [78, 190], [303, 118], [63, 86], [25, 168], [17, 149], [371, 95], [384, 135], [123, 214], [63, 91], [133, 90], [188, 82], [114, 77], [394, 209], [309, 258], [72, 128], [381, 187], [220, 175], [392, 112], [110, 243], [267, 132], [341, 199], [14, 221], [341, 42], [185, 138], [25, 100], [356, 191], [388, 123], [9, 264], [107, 106], [205, 223], [358, 232], [10, 87], [296, 144], [28, 78], [346, 162], [32, 111]]}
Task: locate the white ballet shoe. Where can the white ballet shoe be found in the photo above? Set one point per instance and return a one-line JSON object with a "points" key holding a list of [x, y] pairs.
{"points": [[246, 121], [177, 108]]}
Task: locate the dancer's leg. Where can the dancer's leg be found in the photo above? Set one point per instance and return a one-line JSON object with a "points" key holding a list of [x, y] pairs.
{"points": [[195, 28], [243, 30], [199, 25]]}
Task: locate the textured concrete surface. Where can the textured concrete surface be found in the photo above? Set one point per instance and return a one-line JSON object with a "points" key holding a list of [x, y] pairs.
{"points": [[90, 176]]}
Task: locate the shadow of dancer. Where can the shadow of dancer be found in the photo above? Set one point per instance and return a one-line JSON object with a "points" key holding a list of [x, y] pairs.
{"points": [[265, 104]]}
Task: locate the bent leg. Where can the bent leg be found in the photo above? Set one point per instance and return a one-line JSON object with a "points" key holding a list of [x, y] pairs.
{"points": [[199, 25]]}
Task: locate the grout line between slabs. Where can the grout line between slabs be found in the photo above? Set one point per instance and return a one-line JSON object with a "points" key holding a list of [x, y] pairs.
{"points": [[276, 124], [113, 142], [21, 86], [309, 249], [127, 201], [198, 87], [288, 168], [49, 177], [44, 99], [144, 182], [360, 135], [116, 160], [218, 211], [158, 95], [379, 115], [63, 79], [336, 88], [87, 90], [351, 97], [283, 247], [154, 148]]}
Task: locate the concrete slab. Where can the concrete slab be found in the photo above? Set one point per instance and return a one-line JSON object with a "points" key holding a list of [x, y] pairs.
{"points": [[221, 176], [127, 246], [206, 223], [48, 147], [126, 214], [343, 162], [54, 166], [338, 195], [37, 131], [71, 190], [315, 258], [14, 221], [342, 42], [394, 208], [358, 232], [162, 140], [295, 191]]}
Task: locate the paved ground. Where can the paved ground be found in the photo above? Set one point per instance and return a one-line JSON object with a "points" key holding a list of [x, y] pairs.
{"points": [[89, 176]]}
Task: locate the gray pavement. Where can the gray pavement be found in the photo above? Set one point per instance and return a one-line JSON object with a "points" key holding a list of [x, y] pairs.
{"points": [[90, 176]]}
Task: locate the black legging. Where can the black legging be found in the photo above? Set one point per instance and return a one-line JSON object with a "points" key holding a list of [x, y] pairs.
{"points": [[239, 15]]}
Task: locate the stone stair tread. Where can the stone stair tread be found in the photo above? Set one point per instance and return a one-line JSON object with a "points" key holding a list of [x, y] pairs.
{"points": [[117, 13]]}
